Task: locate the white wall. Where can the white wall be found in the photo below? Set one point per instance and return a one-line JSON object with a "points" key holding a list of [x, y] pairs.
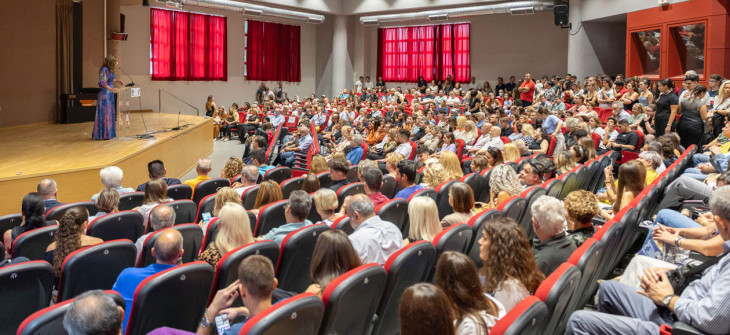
{"points": [[135, 59], [501, 45]]}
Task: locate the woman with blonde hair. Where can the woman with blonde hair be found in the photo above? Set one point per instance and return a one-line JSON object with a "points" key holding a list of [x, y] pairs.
{"points": [[223, 196], [424, 220], [452, 165], [564, 161], [510, 153], [460, 130], [434, 174], [503, 183], [391, 163], [318, 165], [234, 230], [325, 203], [528, 134], [470, 133], [480, 162], [269, 192], [232, 168]]}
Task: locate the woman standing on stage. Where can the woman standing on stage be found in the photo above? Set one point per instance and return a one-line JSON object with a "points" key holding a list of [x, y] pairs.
{"points": [[106, 116]]}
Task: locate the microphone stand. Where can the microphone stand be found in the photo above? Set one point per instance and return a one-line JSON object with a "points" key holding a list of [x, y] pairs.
{"points": [[146, 134]]}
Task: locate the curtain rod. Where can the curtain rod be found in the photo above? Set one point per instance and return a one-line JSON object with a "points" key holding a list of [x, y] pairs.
{"points": [[426, 25], [187, 11], [285, 24]]}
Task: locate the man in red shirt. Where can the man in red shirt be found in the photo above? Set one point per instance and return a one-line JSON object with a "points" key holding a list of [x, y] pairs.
{"points": [[527, 91]]}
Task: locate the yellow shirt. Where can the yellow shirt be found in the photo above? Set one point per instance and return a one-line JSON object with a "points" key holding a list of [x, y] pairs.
{"points": [[194, 182], [651, 175]]}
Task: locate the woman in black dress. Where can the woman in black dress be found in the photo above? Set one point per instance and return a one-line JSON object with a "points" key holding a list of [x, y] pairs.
{"points": [[667, 105], [693, 111]]}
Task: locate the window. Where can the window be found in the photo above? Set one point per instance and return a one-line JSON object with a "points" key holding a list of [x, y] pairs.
{"points": [[649, 51], [689, 40], [272, 51], [434, 52], [187, 46]]}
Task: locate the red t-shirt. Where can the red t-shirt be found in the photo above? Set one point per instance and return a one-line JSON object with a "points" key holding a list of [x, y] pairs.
{"points": [[527, 96], [377, 198]]}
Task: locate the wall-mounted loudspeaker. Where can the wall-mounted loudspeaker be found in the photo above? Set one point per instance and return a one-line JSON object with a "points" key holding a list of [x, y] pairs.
{"points": [[561, 15]]}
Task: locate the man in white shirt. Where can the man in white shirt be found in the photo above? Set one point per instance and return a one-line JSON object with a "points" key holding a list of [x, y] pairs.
{"points": [[277, 119], [483, 140], [404, 145], [358, 85], [374, 240], [161, 217], [494, 140], [249, 176], [348, 114], [368, 83]]}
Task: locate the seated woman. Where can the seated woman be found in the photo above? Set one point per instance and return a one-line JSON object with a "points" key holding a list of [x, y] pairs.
{"points": [[541, 144], [310, 183], [107, 202], [234, 230], [476, 312], [651, 161], [232, 168], [510, 152], [480, 162], [631, 181], [424, 220], [461, 200], [449, 144], [269, 192], [333, 255], [33, 215], [564, 161], [224, 196], [503, 184], [507, 276], [434, 174], [452, 164], [425, 300], [155, 193], [318, 165], [494, 156], [580, 208], [584, 151], [68, 238], [391, 164], [325, 203]]}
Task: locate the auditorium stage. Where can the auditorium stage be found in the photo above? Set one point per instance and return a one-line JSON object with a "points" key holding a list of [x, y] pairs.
{"points": [[66, 153]]}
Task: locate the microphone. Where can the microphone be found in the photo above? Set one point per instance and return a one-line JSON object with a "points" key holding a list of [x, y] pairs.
{"points": [[131, 81]]}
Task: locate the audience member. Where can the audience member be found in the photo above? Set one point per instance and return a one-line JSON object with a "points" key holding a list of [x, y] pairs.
{"points": [[299, 145], [332, 257], [326, 203], [155, 193], [407, 179], [310, 184], [537, 171], [373, 239], [249, 176], [70, 236], [338, 173], [503, 184], [258, 159], [581, 207], [554, 248], [434, 174], [564, 161], [423, 217], [425, 310], [107, 202], [203, 168], [161, 217], [32, 214], [234, 230], [373, 181], [232, 168], [461, 200], [452, 165], [295, 214], [111, 177], [269, 193], [93, 313], [48, 190]]}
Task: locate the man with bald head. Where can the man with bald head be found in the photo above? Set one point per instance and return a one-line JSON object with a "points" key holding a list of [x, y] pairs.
{"points": [[161, 217], [167, 251], [485, 137], [527, 91], [48, 190], [203, 168], [373, 239]]}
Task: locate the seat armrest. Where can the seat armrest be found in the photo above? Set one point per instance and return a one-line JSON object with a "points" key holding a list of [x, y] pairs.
{"points": [[681, 328]]}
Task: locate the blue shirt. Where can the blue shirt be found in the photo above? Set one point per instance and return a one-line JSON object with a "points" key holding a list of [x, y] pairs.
{"points": [[550, 123], [128, 281], [304, 143], [408, 191], [355, 155], [279, 233], [264, 168]]}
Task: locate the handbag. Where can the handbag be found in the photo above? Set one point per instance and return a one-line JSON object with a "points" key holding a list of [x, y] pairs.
{"points": [[680, 277]]}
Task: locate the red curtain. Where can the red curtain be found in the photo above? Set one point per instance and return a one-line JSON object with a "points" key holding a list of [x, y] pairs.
{"points": [[187, 46], [273, 51], [434, 52]]}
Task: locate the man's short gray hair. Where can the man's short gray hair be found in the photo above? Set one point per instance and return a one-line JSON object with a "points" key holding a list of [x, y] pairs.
{"points": [[300, 204], [162, 217], [111, 176], [720, 202], [204, 165], [571, 123], [549, 214], [653, 157], [250, 173], [93, 313], [357, 139], [362, 205], [47, 187], [618, 104]]}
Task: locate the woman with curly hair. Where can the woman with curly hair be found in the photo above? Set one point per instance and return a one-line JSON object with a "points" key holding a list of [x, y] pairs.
{"points": [[391, 163], [333, 255], [69, 238], [475, 311], [581, 207], [232, 168], [269, 192], [509, 269], [452, 165], [503, 183], [434, 174]]}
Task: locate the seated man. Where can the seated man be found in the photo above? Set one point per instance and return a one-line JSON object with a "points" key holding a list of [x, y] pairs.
{"points": [[168, 252], [373, 239], [156, 169], [299, 145], [111, 176], [373, 178], [537, 171], [48, 190], [93, 312], [338, 173], [203, 168], [295, 214], [482, 141], [626, 139], [249, 177], [404, 144], [702, 304], [161, 217], [407, 173], [687, 188], [554, 248], [258, 159], [255, 284], [356, 151]]}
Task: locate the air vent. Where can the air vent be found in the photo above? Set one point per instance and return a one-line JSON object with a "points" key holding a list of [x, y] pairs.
{"points": [[369, 22], [252, 12], [438, 17], [522, 11]]}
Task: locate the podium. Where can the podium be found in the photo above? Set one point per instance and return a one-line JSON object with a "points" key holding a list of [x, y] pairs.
{"points": [[125, 99]]}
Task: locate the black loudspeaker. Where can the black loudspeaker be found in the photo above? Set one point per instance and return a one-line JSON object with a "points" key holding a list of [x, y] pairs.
{"points": [[561, 15], [146, 3]]}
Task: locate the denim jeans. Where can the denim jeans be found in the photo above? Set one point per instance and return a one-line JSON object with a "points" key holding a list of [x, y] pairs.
{"points": [[669, 218]]}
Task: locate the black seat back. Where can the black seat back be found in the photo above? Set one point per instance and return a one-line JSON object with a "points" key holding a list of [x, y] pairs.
{"points": [[248, 198], [300, 314], [555, 291], [514, 208], [325, 181], [348, 190], [57, 212], [278, 174], [352, 174], [192, 239], [180, 192], [290, 185], [158, 300], [185, 211], [106, 259], [530, 195], [570, 184], [206, 205], [131, 200], [32, 244], [388, 188], [442, 199], [553, 187], [486, 190], [25, 288], [529, 317], [10, 221], [120, 225], [208, 187], [292, 268], [352, 299], [476, 182], [227, 269], [396, 212], [476, 223], [210, 234]]}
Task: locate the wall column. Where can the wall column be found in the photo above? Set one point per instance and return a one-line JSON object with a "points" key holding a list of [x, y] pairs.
{"points": [[340, 59]]}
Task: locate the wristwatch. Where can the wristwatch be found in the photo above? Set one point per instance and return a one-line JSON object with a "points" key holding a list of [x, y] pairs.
{"points": [[205, 323], [667, 299], [676, 241]]}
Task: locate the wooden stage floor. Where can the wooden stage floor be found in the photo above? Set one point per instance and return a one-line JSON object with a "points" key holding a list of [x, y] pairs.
{"points": [[66, 153]]}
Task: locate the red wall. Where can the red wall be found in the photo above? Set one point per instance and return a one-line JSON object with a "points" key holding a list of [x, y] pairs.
{"points": [[714, 13]]}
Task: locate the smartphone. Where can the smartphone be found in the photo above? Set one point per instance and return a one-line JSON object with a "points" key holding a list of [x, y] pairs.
{"points": [[206, 217], [221, 323]]}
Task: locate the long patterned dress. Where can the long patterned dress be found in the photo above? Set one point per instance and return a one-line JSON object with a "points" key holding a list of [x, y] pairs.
{"points": [[106, 116]]}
